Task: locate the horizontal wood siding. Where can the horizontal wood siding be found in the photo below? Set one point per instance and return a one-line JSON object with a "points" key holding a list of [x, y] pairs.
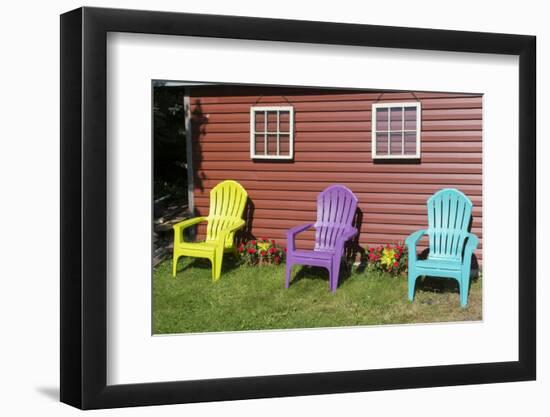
{"points": [[332, 144]]}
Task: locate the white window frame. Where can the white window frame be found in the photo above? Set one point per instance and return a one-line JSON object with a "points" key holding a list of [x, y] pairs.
{"points": [[265, 109], [388, 106]]}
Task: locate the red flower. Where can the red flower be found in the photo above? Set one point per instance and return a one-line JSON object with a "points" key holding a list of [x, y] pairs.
{"points": [[371, 250], [263, 253], [263, 238], [397, 256], [371, 256], [273, 241], [241, 248], [253, 242], [396, 264], [272, 249], [251, 250], [285, 250]]}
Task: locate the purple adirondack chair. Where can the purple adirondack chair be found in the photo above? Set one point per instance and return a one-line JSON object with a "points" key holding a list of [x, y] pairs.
{"points": [[336, 207]]}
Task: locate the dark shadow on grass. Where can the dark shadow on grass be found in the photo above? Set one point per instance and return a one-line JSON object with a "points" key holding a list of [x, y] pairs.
{"points": [[306, 272], [437, 285], [443, 284], [310, 272], [345, 271], [230, 262]]}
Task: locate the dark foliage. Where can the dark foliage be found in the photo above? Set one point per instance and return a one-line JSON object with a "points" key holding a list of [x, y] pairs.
{"points": [[170, 168]]}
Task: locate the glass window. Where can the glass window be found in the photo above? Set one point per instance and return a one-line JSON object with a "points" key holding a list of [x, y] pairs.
{"points": [[396, 130], [272, 132]]}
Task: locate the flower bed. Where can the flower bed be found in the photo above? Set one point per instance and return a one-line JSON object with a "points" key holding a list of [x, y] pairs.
{"points": [[261, 251], [387, 258]]}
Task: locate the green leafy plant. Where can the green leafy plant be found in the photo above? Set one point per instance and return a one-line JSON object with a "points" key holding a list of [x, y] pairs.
{"points": [[392, 259], [261, 251]]}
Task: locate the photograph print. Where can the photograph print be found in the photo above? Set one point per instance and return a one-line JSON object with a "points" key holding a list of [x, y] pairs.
{"points": [[281, 207]]}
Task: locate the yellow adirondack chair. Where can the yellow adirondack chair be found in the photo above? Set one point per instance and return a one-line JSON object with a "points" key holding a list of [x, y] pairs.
{"points": [[227, 202]]}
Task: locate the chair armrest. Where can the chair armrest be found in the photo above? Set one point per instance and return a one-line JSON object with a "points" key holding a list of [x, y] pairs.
{"points": [[412, 240], [341, 241], [291, 233], [469, 247], [347, 235], [179, 227], [222, 235], [471, 244], [231, 228]]}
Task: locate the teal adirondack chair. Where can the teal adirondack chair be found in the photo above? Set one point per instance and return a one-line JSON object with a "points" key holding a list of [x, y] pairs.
{"points": [[451, 245]]}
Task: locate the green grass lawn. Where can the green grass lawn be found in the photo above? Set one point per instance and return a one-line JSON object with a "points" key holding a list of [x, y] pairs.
{"points": [[254, 298]]}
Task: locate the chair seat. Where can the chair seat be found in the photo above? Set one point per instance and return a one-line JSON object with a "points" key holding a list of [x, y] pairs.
{"points": [[451, 264], [207, 246], [316, 254]]}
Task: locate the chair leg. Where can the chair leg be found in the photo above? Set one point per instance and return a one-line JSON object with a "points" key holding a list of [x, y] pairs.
{"points": [[412, 283], [174, 264], [288, 273], [464, 286], [217, 266], [334, 274]]}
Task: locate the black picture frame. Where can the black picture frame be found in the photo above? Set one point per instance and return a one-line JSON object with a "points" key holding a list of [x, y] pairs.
{"points": [[84, 207]]}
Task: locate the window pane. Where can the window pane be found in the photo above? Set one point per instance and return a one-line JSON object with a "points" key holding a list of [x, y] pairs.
{"points": [[272, 121], [410, 143], [272, 145], [396, 118], [381, 119], [259, 116], [381, 143], [284, 127], [259, 144], [284, 145], [284, 121], [284, 116], [395, 143], [410, 118]]}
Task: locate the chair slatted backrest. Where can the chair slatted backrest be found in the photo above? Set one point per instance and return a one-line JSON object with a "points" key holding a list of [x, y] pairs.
{"points": [[449, 213], [336, 207], [227, 203]]}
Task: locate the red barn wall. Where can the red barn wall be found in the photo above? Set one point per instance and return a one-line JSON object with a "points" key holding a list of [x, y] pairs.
{"points": [[332, 144]]}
